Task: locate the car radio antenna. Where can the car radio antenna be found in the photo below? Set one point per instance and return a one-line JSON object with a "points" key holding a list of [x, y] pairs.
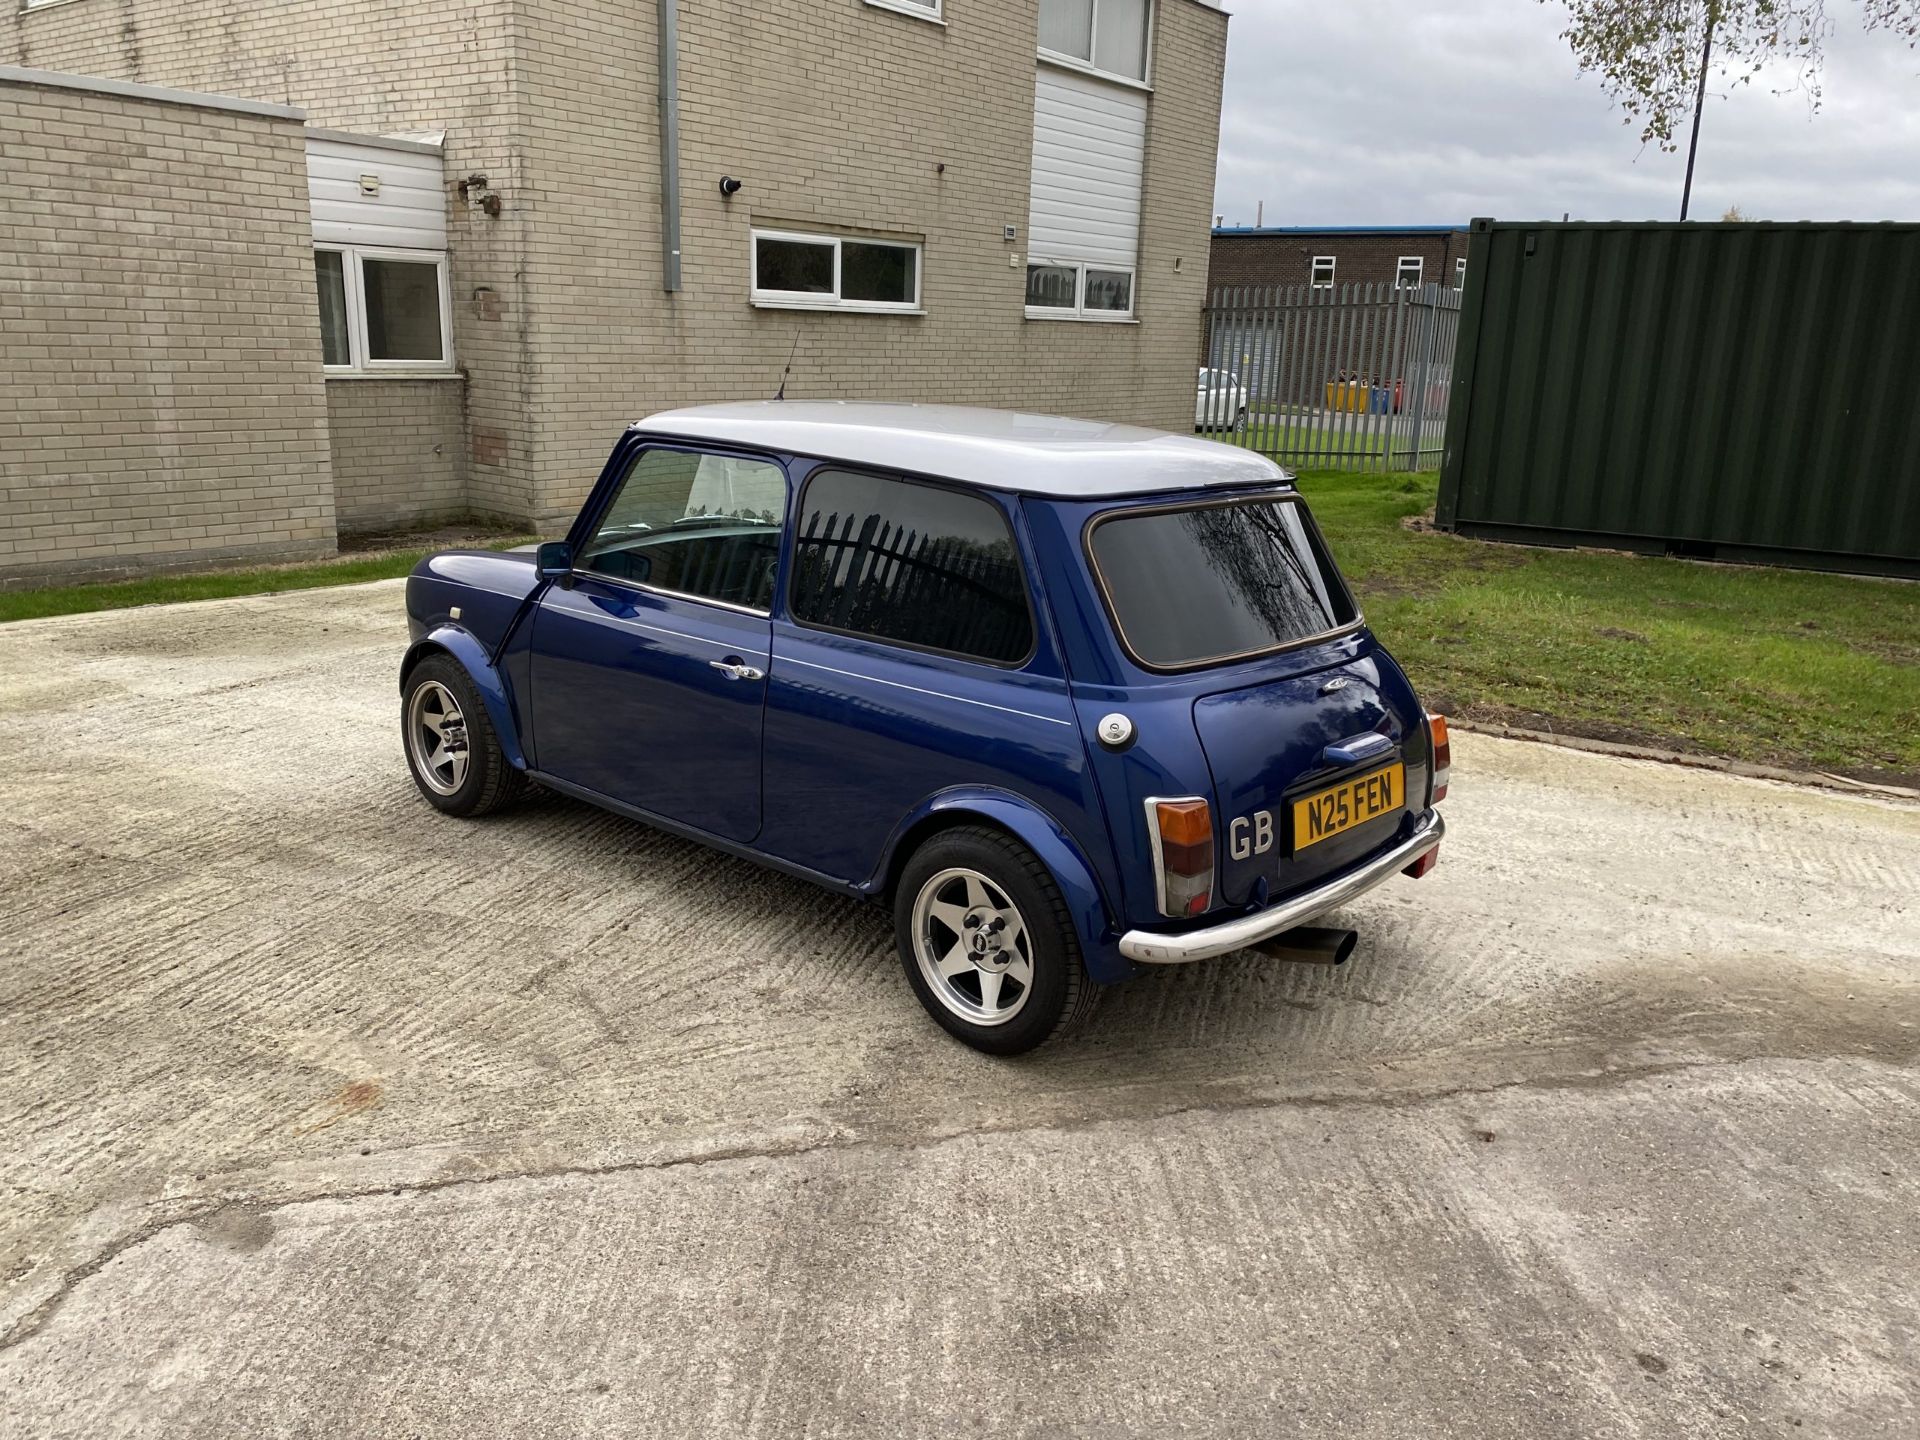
{"points": [[781, 393]]}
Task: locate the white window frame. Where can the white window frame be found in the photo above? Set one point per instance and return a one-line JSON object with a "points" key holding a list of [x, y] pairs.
{"points": [[929, 10], [1332, 262], [358, 360], [1086, 67], [1078, 310], [807, 300], [1460, 273], [1419, 264]]}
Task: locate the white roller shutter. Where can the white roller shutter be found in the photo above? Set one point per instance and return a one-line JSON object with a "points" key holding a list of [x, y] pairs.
{"points": [[409, 211], [1089, 147]]}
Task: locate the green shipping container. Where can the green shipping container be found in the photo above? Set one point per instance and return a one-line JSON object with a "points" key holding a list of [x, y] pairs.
{"points": [[1741, 391]]}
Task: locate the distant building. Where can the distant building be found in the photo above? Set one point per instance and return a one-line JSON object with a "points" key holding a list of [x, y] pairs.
{"points": [[1345, 255]]}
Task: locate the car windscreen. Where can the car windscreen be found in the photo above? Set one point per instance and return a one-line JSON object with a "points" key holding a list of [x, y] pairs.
{"points": [[1197, 584]]}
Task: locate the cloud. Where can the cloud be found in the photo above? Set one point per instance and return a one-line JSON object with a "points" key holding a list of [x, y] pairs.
{"points": [[1400, 112]]}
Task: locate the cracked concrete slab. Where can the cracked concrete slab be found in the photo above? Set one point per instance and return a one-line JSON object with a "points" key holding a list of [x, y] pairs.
{"points": [[320, 1114]]}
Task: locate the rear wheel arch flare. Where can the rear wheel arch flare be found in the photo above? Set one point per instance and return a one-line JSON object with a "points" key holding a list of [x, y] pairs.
{"points": [[1093, 912], [923, 830]]}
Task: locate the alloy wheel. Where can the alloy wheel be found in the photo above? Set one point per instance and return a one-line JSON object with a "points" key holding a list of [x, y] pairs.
{"points": [[437, 737], [972, 946]]}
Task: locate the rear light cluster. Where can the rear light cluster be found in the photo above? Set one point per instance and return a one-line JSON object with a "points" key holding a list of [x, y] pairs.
{"points": [[1182, 835], [1442, 767], [1442, 754]]}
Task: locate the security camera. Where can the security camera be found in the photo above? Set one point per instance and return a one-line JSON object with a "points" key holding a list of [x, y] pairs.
{"points": [[729, 187]]}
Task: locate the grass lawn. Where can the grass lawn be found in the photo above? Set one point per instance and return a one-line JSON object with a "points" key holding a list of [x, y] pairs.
{"points": [[1780, 667], [218, 584]]}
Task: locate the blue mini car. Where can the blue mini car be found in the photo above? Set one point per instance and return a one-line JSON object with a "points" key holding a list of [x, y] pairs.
{"points": [[1071, 698]]}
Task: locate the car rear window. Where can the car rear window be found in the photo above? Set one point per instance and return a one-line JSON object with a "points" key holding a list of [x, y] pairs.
{"points": [[1198, 584]]}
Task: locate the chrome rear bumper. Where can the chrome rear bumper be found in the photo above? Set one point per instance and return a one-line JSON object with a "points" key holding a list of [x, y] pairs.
{"points": [[1151, 948]]}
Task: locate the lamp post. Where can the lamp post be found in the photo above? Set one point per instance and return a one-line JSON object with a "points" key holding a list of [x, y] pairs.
{"points": [[1699, 104]]}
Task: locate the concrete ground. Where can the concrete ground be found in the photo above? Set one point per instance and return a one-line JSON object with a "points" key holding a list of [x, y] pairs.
{"points": [[323, 1115]]}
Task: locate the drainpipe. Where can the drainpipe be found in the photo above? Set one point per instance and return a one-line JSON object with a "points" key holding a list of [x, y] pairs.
{"points": [[670, 144]]}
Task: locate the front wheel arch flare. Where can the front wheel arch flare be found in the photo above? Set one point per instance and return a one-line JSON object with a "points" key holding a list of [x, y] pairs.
{"points": [[472, 657]]}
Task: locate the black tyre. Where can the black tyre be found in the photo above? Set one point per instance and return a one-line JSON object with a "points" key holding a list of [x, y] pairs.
{"points": [[987, 943], [452, 750]]}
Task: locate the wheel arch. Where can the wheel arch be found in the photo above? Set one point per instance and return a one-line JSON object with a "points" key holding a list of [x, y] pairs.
{"points": [[1021, 820], [471, 656]]}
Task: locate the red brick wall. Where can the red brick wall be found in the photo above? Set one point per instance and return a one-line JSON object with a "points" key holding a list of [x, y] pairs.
{"points": [[1275, 258]]}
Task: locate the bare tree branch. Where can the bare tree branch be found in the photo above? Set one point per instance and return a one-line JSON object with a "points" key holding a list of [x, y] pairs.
{"points": [[1647, 52]]}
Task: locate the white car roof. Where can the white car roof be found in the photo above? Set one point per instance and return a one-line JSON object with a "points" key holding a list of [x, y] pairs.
{"points": [[1001, 449]]}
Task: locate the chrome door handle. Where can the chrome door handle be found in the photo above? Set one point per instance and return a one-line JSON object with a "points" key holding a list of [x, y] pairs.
{"points": [[737, 672]]}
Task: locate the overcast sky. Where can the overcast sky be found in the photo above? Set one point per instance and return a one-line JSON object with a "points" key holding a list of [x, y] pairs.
{"points": [[1389, 112]]}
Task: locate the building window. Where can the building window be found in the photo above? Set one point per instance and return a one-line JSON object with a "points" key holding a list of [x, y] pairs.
{"points": [[1412, 268], [829, 272], [1460, 273], [925, 9], [1107, 36], [383, 310], [1061, 290], [1323, 267]]}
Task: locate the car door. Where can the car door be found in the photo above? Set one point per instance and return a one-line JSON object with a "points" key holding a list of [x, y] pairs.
{"points": [[908, 660], [649, 662]]}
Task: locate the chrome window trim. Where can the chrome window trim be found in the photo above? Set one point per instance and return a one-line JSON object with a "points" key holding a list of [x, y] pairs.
{"points": [[662, 590], [1287, 496]]}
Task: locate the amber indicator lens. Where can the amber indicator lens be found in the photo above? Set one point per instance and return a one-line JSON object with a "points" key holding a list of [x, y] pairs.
{"points": [[1442, 755], [1184, 837]]}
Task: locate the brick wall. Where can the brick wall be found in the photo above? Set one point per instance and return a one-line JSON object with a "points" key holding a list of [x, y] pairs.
{"points": [[373, 66], [160, 392], [834, 113], [1363, 258], [399, 452], [843, 116]]}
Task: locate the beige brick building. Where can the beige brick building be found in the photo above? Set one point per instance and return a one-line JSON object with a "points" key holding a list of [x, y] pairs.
{"points": [[156, 401], [894, 160]]}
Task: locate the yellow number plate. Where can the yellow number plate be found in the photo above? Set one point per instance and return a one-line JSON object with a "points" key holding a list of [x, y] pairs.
{"points": [[1352, 802]]}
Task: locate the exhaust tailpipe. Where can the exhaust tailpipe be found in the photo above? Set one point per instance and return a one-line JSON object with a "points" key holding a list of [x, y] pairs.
{"points": [[1310, 945]]}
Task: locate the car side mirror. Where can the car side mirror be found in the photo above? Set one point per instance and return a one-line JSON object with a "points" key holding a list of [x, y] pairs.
{"points": [[555, 560]]}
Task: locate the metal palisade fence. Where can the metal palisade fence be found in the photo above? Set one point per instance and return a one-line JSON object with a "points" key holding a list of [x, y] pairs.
{"points": [[1349, 377]]}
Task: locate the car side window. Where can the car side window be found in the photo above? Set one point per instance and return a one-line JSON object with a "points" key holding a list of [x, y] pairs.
{"points": [[707, 526], [915, 564]]}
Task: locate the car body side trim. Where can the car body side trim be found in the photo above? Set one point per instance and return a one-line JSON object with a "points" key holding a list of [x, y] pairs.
{"points": [[1150, 948], [681, 635], [780, 659]]}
